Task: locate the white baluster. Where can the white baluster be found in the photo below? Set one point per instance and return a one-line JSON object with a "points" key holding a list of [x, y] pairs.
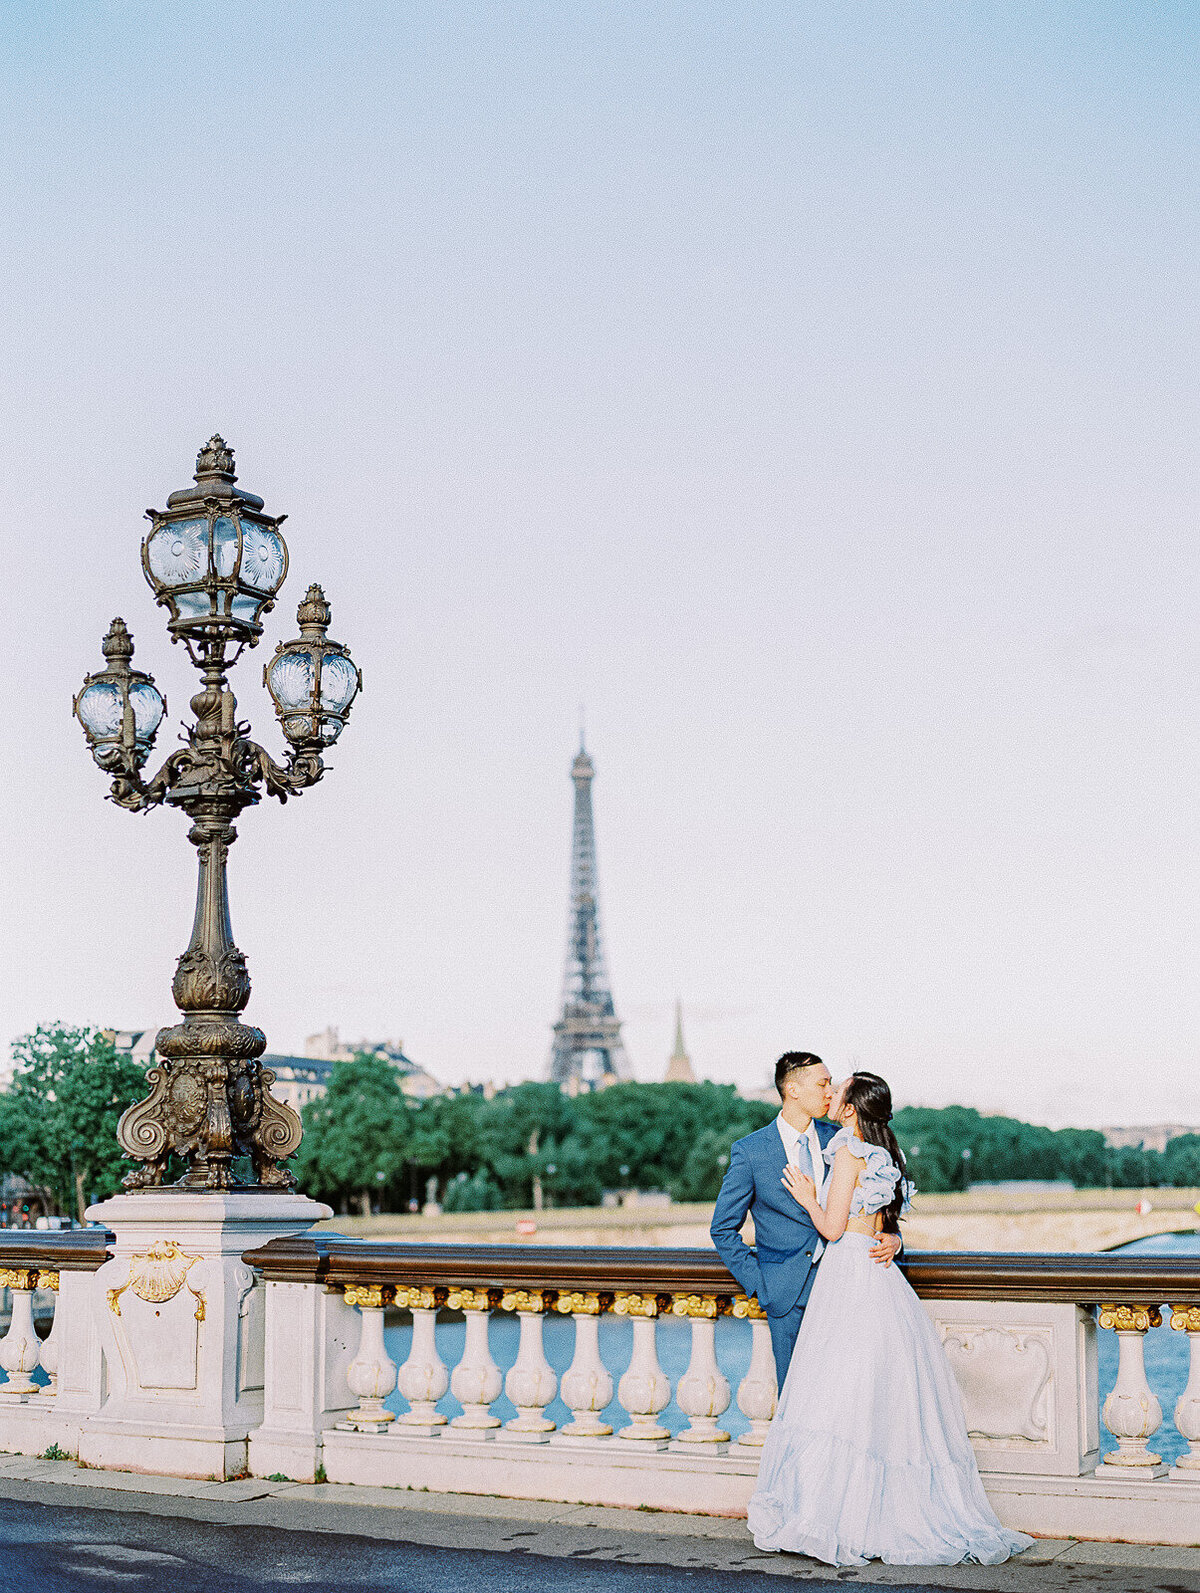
{"points": [[702, 1393], [476, 1381], [1186, 1319], [531, 1382], [587, 1385], [1131, 1412], [19, 1348], [423, 1378], [758, 1390], [48, 1354], [643, 1389], [372, 1373]]}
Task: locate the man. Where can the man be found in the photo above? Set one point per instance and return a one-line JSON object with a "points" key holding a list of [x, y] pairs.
{"points": [[781, 1267]]}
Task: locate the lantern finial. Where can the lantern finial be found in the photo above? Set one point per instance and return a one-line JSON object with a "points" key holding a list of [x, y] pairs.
{"points": [[314, 611], [215, 459], [118, 643]]}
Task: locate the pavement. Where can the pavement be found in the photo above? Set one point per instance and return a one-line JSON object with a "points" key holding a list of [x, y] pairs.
{"points": [[66, 1529]]}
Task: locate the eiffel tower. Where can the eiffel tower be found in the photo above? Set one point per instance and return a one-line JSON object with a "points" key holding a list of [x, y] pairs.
{"points": [[588, 1052]]}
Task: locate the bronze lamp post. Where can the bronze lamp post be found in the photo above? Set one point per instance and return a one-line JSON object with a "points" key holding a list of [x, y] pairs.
{"points": [[215, 561]]}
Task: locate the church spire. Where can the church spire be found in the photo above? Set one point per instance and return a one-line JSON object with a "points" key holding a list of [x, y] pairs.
{"points": [[679, 1054], [679, 1067]]}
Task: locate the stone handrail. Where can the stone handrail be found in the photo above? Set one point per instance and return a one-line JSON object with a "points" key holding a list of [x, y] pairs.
{"points": [[54, 1250], [1066, 1278], [333, 1259]]}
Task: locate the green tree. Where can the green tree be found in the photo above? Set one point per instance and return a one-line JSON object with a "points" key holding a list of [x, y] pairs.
{"points": [[58, 1120], [655, 1129], [1181, 1162], [358, 1136], [472, 1192], [520, 1133], [934, 1139], [446, 1139], [707, 1161]]}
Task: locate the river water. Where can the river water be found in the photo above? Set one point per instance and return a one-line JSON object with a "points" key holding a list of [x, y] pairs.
{"points": [[1166, 1356]]}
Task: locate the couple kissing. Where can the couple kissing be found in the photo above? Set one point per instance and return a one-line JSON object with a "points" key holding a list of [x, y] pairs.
{"points": [[868, 1456]]}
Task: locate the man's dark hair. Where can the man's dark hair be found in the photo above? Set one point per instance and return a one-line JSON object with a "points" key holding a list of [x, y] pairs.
{"points": [[792, 1062]]}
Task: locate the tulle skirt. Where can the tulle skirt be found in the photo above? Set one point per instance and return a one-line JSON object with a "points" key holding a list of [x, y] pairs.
{"points": [[868, 1456]]}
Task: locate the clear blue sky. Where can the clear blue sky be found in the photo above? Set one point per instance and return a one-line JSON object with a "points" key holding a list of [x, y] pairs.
{"points": [[809, 388]]}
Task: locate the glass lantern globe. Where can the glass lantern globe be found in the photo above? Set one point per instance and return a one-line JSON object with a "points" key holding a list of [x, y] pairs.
{"points": [[213, 559], [312, 681], [120, 708]]}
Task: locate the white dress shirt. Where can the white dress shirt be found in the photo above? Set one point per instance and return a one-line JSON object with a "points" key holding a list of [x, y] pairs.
{"points": [[791, 1138]]}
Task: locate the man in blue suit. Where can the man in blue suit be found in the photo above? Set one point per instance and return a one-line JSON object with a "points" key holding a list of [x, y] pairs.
{"points": [[781, 1267]]}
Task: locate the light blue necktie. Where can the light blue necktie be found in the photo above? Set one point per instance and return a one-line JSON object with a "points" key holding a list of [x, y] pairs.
{"points": [[803, 1156]]}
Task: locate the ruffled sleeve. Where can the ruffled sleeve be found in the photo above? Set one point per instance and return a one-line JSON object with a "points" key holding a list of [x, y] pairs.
{"points": [[878, 1179]]}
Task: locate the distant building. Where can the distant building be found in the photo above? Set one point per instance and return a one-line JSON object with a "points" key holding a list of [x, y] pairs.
{"points": [[300, 1079], [136, 1044], [1153, 1136], [679, 1067], [767, 1094], [414, 1081]]}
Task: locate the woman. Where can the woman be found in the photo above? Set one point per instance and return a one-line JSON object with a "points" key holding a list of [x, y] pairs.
{"points": [[868, 1456]]}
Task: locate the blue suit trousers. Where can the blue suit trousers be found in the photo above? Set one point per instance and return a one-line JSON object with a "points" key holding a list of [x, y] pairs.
{"points": [[784, 1330]]}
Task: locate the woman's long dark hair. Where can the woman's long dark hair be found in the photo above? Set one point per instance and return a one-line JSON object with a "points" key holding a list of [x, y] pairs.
{"points": [[871, 1099]]}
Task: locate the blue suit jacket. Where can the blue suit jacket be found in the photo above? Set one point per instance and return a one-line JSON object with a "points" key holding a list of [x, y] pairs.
{"points": [[779, 1268]]}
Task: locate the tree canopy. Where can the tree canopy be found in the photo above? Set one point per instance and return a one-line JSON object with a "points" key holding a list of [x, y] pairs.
{"points": [[951, 1147], [58, 1118], [358, 1136], [366, 1143]]}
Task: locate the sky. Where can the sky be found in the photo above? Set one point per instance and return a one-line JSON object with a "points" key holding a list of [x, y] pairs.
{"points": [[809, 390]]}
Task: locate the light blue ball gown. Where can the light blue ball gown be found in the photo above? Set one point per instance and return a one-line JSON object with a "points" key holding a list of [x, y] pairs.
{"points": [[868, 1456]]}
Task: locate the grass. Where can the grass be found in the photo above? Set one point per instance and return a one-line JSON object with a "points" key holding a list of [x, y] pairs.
{"points": [[55, 1453]]}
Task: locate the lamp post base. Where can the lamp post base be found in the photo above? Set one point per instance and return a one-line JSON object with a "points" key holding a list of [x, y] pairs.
{"points": [[181, 1324]]}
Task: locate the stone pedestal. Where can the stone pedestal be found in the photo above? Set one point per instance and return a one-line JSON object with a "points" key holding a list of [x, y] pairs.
{"points": [[1027, 1374], [310, 1340], [181, 1327]]}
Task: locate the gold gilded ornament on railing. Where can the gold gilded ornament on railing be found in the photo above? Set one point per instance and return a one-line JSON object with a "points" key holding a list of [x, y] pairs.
{"points": [[642, 1304], [157, 1275], [47, 1280], [1130, 1318], [748, 1309], [421, 1299], [530, 1301], [696, 1305], [18, 1278], [473, 1299], [372, 1296], [576, 1304], [1186, 1318]]}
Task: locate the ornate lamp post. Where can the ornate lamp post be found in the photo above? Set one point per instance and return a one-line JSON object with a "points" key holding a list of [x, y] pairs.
{"points": [[215, 561]]}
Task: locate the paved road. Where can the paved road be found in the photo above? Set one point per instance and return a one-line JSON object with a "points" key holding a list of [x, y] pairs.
{"points": [[53, 1544], [50, 1549]]}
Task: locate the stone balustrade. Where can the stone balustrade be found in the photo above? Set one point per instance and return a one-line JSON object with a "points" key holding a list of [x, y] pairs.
{"points": [[316, 1326], [1020, 1331]]}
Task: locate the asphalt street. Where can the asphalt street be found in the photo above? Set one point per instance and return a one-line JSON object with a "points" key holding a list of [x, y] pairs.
{"points": [[55, 1547], [46, 1549]]}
